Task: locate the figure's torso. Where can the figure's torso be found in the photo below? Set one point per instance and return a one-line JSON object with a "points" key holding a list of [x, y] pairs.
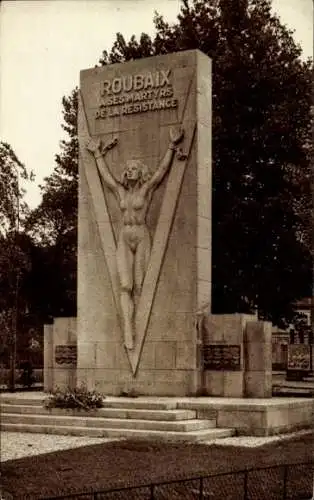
{"points": [[133, 206]]}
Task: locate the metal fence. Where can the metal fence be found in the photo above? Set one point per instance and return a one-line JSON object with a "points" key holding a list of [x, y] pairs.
{"points": [[280, 482]]}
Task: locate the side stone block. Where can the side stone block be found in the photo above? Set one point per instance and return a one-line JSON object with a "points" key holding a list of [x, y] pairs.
{"points": [[258, 384], [64, 378], [48, 358], [60, 342], [258, 356], [64, 331], [214, 383], [233, 384], [246, 423], [258, 359], [223, 330]]}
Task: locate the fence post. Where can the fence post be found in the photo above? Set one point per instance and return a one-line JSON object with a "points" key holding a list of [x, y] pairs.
{"points": [[285, 477], [95, 496], [201, 489], [152, 497], [246, 473]]}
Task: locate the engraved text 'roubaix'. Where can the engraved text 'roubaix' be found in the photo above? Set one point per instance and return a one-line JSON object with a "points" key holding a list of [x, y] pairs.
{"points": [[137, 93]]}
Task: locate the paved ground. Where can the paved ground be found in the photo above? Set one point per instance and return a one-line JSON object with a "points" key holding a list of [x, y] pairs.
{"points": [[16, 445], [123, 464]]}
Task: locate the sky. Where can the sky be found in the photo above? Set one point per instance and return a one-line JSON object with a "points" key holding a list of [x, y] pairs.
{"points": [[44, 45]]}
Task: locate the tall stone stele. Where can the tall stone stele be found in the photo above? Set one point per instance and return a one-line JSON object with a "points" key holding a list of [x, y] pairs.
{"points": [[144, 249]]}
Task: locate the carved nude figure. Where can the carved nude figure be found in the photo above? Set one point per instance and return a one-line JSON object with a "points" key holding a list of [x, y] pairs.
{"points": [[134, 193]]}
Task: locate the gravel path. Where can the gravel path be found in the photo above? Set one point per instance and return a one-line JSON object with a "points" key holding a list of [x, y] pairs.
{"points": [[16, 445], [22, 444]]}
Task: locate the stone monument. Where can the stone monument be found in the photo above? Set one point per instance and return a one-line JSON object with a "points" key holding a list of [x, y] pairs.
{"points": [[144, 320], [144, 250]]}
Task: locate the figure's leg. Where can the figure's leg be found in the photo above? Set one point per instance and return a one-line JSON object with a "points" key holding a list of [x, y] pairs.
{"points": [[125, 262], [127, 307], [142, 257]]}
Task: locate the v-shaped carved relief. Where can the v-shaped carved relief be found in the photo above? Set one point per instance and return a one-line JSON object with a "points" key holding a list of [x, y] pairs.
{"points": [[134, 266]]}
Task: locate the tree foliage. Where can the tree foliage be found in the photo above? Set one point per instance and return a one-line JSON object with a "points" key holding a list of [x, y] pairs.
{"points": [[15, 262], [14, 258], [261, 132], [261, 91], [56, 216], [25, 263], [53, 225], [13, 208]]}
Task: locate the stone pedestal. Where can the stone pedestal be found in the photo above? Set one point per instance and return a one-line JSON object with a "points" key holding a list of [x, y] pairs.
{"points": [[223, 334], [48, 358], [237, 359], [60, 354], [258, 356], [131, 108]]}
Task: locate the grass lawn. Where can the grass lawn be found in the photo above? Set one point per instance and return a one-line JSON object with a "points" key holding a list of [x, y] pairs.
{"points": [[131, 463]]}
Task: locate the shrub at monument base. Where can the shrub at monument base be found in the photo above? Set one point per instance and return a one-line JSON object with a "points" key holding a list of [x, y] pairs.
{"points": [[79, 398]]}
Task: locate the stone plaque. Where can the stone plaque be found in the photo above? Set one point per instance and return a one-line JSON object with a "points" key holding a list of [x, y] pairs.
{"points": [[299, 357], [222, 357], [66, 354]]}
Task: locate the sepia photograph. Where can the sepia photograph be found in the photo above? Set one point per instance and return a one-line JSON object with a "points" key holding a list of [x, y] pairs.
{"points": [[156, 250]]}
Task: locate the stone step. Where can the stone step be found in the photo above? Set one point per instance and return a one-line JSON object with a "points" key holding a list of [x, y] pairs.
{"points": [[16, 400], [104, 423], [292, 392], [141, 414], [191, 436], [140, 403]]}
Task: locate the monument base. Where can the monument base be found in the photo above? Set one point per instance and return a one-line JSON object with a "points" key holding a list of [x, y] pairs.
{"points": [[230, 357], [254, 417], [187, 419]]}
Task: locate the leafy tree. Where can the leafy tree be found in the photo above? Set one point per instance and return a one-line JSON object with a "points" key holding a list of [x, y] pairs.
{"points": [[56, 216], [13, 208], [13, 211], [53, 224], [15, 263]]}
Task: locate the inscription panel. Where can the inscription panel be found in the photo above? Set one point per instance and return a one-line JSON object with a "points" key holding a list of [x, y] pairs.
{"points": [[66, 354], [299, 357], [136, 94], [222, 357]]}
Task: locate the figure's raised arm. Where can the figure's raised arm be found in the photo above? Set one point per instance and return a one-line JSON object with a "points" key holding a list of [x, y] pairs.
{"points": [[99, 150], [176, 136]]}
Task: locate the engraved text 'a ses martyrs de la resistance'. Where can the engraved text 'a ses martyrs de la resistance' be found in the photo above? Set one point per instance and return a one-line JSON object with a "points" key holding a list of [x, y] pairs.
{"points": [[129, 94]]}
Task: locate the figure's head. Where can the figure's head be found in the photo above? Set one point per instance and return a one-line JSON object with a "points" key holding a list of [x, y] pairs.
{"points": [[135, 172]]}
